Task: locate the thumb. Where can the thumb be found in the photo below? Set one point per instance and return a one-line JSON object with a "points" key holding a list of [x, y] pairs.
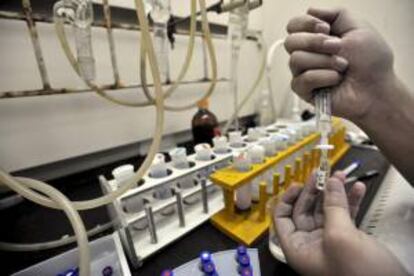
{"points": [[335, 204]]}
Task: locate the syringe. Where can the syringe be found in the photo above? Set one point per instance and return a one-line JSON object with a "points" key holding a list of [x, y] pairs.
{"points": [[324, 123]]}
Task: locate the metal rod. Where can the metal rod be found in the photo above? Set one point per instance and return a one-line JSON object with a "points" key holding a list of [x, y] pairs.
{"points": [[111, 42], [114, 25], [34, 36], [151, 224], [62, 91], [180, 207], [204, 195]]}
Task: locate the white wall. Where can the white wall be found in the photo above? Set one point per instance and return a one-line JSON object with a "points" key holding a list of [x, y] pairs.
{"points": [[39, 130]]}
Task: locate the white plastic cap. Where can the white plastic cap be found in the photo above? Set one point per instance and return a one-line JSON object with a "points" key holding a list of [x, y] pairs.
{"points": [[203, 152], [261, 131], [256, 154], [123, 173], [235, 138], [269, 146], [220, 144], [158, 168], [179, 158], [253, 134], [242, 162]]}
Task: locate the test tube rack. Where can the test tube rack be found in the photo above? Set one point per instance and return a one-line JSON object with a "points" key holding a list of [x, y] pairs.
{"points": [[292, 164], [162, 229]]}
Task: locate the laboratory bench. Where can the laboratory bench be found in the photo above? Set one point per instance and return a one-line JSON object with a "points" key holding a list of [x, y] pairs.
{"points": [[28, 222]]}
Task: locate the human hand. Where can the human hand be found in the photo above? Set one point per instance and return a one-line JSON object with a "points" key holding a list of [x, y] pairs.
{"points": [[318, 236], [330, 48]]}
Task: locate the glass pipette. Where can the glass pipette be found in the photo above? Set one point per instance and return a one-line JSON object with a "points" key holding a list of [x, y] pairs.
{"points": [[324, 122]]}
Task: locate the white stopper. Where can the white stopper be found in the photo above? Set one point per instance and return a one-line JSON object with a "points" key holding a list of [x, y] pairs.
{"points": [[268, 145], [158, 168], [179, 158], [291, 134], [261, 131], [235, 138], [123, 173], [242, 162], [203, 152], [220, 144], [256, 154], [280, 140], [253, 134]]}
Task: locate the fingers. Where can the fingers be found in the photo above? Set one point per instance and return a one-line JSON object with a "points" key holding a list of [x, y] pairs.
{"points": [[283, 214], [340, 20], [301, 61], [309, 42], [311, 80], [335, 205], [355, 196], [318, 212], [307, 23], [303, 209]]}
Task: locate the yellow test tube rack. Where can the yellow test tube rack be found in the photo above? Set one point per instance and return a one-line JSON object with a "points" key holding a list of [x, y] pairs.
{"points": [[294, 164]]}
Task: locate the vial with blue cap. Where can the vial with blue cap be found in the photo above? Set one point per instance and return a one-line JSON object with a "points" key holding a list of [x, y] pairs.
{"points": [[70, 272], [206, 264], [167, 272]]}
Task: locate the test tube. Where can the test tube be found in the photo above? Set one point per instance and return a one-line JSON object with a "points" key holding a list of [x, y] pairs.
{"points": [[242, 163], [134, 204], [323, 117], [180, 161], [159, 169]]}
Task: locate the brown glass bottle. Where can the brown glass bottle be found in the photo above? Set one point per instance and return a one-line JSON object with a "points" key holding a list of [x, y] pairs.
{"points": [[204, 124]]}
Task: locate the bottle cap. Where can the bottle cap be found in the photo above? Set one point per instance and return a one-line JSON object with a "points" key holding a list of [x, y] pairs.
{"points": [[243, 260], [246, 271], [256, 154], [203, 152], [158, 168], [179, 158], [203, 103], [220, 144], [209, 269], [235, 138], [167, 273], [205, 257], [123, 173], [242, 162], [241, 250]]}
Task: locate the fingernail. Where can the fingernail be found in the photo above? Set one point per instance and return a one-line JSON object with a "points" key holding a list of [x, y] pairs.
{"points": [[332, 42], [322, 28], [341, 63]]}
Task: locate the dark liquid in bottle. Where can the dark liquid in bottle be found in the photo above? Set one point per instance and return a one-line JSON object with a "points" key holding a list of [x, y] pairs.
{"points": [[204, 126]]}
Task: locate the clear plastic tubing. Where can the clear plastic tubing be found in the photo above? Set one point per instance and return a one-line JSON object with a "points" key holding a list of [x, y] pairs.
{"points": [[324, 123], [160, 14]]}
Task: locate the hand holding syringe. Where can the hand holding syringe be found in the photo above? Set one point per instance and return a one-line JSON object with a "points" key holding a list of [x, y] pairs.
{"points": [[324, 122]]}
